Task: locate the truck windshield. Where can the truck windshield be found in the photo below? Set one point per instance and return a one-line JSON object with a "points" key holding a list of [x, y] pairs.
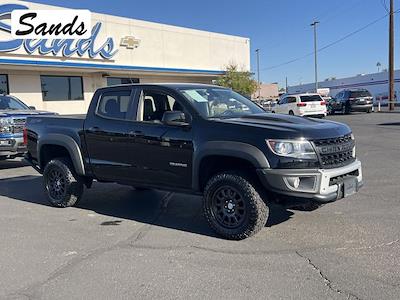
{"points": [[220, 102], [11, 103]]}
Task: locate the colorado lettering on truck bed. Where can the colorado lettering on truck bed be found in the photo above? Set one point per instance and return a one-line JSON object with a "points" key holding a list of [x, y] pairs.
{"points": [[200, 139]]}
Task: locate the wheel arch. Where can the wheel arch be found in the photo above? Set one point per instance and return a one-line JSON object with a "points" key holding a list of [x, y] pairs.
{"points": [[68, 143], [245, 155]]}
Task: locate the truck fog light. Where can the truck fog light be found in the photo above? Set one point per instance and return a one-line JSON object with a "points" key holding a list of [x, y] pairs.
{"points": [[294, 182], [301, 183]]}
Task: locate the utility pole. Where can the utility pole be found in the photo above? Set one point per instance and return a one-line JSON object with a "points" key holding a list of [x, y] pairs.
{"points": [[391, 56], [258, 73], [286, 89], [314, 24]]}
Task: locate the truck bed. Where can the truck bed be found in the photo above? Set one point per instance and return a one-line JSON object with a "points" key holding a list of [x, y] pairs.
{"points": [[61, 125]]}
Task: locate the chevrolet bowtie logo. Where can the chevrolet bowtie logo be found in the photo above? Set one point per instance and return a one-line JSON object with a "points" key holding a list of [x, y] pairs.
{"points": [[130, 42]]}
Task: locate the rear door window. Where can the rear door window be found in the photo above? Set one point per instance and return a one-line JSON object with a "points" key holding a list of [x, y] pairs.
{"points": [[114, 104]]}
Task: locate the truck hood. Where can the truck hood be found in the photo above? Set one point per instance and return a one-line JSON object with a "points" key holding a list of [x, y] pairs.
{"points": [[292, 126], [22, 113]]}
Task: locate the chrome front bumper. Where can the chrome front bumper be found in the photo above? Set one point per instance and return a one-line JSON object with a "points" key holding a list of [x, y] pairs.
{"points": [[12, 146], [322, 185]]}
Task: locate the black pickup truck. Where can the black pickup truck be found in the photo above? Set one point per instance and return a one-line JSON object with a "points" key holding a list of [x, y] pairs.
{"points": [[198, 139]]}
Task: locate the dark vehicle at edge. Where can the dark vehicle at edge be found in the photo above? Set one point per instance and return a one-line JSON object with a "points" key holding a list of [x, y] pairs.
{"points": [[13, 114], [348, 101], [198, 139]]}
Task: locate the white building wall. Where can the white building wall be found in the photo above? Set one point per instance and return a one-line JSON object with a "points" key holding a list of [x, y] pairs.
{"points": [[375, 83], [161, 45], [167, 54]]}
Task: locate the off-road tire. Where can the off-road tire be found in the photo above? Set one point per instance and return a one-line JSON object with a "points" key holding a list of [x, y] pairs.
{"points": [[256, 210], [346, 109], [72, 186]]}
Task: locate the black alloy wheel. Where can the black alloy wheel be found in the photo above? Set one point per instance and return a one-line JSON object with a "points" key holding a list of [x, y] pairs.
{"points": [[228, 207], [62, 186], [56, 185], [233, 206]]}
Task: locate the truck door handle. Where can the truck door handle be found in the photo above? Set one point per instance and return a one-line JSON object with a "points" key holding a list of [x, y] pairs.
{"points": [[94, 129], [136, 133]]}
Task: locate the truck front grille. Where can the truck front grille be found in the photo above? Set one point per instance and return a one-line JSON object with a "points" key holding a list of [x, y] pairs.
{"points": [[335, 152], [18, 125]]}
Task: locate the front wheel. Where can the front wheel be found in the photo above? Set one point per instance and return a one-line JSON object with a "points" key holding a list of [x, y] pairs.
{"points": [[62, 186], [233, 207]]}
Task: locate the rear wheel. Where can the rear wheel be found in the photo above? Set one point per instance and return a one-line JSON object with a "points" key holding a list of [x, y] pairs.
{"points": [[233, 207], [346, 108], [291, 112], [62, 186]]}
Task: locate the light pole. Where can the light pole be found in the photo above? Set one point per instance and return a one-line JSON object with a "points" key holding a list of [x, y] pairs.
{"points": [[391, 56], [258, 73], [314, 24], [378, 65], [286, 87]]}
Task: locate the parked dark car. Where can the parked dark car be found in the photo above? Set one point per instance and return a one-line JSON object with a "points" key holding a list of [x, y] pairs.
{"points": [[199, 139], [348, 101], [13, 114]]}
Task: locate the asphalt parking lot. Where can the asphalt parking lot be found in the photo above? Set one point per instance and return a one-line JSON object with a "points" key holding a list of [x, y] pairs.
{"points": [[125, 244]]}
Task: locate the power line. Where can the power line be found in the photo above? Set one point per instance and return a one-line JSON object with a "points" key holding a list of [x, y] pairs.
{"points": [[325, 15], [328, 45], [383, 2]]}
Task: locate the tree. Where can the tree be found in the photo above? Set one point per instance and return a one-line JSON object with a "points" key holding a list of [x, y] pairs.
{"points": [[239, 81]]}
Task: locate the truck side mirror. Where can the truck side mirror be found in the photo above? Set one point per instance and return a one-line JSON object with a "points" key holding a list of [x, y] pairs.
{"points": [[174, 118], [32, 108]]}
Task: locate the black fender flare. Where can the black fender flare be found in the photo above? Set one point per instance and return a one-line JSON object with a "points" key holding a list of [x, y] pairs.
{"points": [[230, 149], [68, 143]]}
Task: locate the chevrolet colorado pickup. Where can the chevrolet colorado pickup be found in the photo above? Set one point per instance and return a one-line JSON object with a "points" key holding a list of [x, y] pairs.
{"points": [[199, 139], [13, 114]]}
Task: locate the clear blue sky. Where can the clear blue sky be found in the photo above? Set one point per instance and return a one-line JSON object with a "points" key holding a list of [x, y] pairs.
{"points": [[280, 28]]}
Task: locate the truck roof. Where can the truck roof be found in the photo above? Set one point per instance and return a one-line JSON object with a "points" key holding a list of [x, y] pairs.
{"points": [[171, 85]]}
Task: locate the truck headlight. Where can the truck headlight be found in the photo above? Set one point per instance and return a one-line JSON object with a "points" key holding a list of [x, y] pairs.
{"points": [[5, 125], [354, 147], [292, 148]]}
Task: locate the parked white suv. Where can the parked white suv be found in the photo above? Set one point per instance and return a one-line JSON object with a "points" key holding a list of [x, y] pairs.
{"points": [[301, 105]]}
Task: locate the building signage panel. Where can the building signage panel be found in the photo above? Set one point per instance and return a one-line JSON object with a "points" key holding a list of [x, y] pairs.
{"points": [[58, 46]]}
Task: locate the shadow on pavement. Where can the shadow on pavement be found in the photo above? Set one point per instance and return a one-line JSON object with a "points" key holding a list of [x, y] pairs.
{"points": [[182, 212], [12, 164], [390, 124]]}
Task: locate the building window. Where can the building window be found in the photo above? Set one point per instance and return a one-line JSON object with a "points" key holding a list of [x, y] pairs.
{"points": [[60, 88], [121, 80], [4, 84]]}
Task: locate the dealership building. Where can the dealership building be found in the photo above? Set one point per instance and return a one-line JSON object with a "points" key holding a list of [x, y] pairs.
{"points": [[376, 83], [62, 75]]}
